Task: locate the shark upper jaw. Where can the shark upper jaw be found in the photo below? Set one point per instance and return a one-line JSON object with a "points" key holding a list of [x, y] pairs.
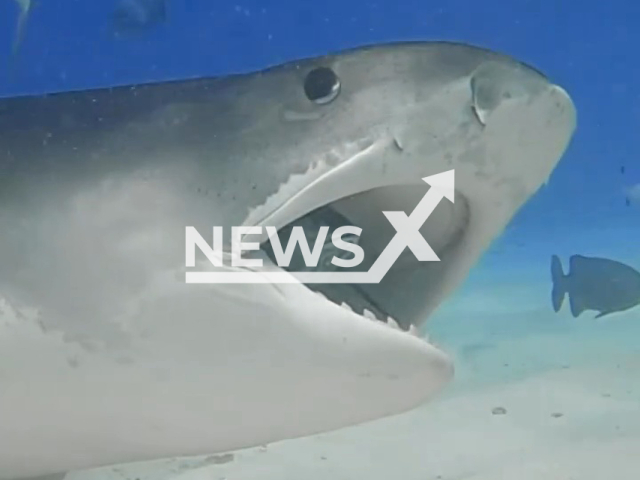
{"points": [[229, 366], [503, 129]]}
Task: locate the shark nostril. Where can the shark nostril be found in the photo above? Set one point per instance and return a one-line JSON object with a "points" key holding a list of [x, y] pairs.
{"points": [[493, 83]]}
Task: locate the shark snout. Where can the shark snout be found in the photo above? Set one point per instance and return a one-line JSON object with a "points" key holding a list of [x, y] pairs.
{"points": [[494, 83], [526, 122]]}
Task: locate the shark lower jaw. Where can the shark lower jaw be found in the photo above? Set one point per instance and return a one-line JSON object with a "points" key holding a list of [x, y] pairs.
{"points": [[382, 303]]}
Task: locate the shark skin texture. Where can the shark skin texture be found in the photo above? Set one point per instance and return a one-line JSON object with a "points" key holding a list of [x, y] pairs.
{"points": [[107, 356]]}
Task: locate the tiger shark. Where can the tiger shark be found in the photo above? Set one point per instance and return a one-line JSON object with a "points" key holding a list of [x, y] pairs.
{"points": [[108, 356]]}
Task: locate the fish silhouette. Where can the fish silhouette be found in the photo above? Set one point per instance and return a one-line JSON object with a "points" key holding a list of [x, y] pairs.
{"points": [[599, 284]]}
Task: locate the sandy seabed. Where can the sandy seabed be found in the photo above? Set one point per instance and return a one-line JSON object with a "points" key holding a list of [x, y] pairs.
{"points": [[537, 395], [566, 424]]}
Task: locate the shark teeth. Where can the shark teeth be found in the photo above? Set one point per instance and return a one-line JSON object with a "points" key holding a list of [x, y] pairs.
{"points": [[391, 322], [414, 331], [347, 306], [369, 315]]}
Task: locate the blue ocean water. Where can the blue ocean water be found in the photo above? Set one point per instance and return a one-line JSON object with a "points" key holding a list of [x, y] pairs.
{"points": [[69, 45], [500, 325]]}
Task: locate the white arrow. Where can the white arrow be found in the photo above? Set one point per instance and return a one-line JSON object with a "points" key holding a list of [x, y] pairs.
{"points": [[407, 235]]}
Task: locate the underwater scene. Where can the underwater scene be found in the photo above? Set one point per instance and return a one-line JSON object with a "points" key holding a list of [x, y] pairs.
{"points": [[297, 241]]}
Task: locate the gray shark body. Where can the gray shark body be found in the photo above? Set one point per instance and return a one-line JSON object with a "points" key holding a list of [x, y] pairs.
{"points": [[107, 356]]}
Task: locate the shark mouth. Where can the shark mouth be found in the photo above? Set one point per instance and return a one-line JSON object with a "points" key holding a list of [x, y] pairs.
{"points": [[410, 287]]}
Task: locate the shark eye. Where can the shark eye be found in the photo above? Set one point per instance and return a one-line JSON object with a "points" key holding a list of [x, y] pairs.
{"points": [[322, 85]]}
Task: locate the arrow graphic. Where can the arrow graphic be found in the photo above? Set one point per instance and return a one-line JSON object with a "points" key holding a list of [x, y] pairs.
{"points": [[407, 236]]}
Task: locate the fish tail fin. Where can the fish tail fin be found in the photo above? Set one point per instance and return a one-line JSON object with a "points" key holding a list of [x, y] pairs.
{"points": [[559, 280]]}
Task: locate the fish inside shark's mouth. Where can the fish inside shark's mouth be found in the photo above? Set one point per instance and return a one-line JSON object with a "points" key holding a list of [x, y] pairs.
{"points": [[402, 297]]}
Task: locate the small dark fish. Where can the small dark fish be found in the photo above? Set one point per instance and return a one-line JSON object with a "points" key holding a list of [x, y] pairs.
{"points": [[135, 15], [599, 284]]}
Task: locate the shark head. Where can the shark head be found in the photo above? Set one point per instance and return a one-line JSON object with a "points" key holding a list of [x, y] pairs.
{"points": [[117, 359], [368, 125]]}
